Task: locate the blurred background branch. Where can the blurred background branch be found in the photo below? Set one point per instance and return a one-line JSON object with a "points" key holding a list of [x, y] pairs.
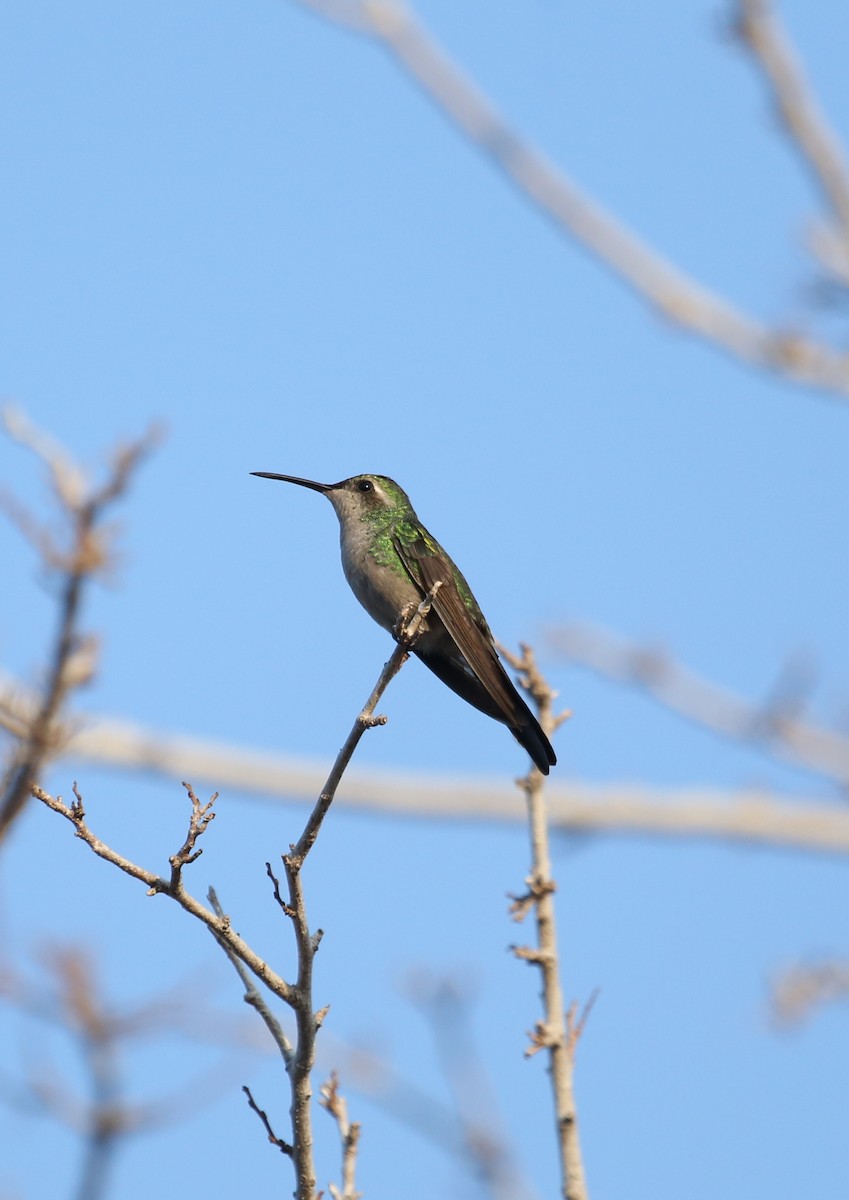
{"points": [[736, 814], [775, 724], [80, 553], [674, 294]]}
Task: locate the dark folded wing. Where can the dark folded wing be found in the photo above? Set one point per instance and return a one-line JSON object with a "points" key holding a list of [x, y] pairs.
{"points": [[473, 643]]}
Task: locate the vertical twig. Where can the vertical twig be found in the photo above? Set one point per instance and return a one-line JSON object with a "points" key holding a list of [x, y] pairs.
{"points": [[349, 1135], [308, 1021], [556, 1033]]}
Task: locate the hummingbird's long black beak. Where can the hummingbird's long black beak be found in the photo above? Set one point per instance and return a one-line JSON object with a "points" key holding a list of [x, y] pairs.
{"points": [[307, 483]]}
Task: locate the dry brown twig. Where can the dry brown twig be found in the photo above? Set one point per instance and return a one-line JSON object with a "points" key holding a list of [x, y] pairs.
{"points": [[553, 1033], [671, 292], [82, 553], [299, 1058]]}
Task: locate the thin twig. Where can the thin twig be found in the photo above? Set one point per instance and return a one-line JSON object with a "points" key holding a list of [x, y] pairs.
{"points": [[307, 1020], [349, 1136], [281, 1145], [253, 996], [365, 720], [175, 889]]}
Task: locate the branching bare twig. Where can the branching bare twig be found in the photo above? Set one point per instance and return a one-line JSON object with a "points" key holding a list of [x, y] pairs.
{"points": [[85, 556], [552, 1033], [172, 887], [676, 296], [299, 1059]]}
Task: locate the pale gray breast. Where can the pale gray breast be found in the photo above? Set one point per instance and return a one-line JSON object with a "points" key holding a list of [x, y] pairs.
{"points": [[383, 593]]}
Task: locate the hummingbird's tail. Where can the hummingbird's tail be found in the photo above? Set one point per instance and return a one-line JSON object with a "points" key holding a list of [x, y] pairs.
{"points": [[531, 736], [504, 704]]}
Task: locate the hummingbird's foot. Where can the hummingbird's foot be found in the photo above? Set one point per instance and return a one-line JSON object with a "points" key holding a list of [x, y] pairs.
{"points": [[401, 631]]}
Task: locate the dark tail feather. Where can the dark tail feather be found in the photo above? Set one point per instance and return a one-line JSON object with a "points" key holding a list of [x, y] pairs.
{"points": [[520, 720], [532, 738]]}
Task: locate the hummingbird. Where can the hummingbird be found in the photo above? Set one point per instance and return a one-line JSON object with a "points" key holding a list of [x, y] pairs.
{"points": [[391, 562]]}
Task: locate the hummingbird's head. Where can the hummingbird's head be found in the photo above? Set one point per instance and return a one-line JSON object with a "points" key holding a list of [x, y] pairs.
{"points": [[360, 497]]}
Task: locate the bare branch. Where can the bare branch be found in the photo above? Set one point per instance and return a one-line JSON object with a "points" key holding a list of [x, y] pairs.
{"points": [[156, 885], [554, 1033], [308, 1021], [366, 720], [677, 297], [300, 1059], [253, 996]]}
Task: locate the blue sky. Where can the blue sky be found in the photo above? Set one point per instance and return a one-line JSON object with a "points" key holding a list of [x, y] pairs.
{"points": [[247, 225]]}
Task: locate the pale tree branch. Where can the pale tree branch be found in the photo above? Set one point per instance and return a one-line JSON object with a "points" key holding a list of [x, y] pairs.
{"points": [[554, 1033], [85, 556], [349, 1135], [675, 295], [809, 131], [773, 725], [748, 815]]}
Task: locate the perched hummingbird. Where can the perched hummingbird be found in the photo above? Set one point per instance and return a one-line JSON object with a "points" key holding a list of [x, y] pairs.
{"points": [[391, 562]]}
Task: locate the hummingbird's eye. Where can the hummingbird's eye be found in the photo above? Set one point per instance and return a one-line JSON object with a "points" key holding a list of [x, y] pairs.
{"points": [[365, 485]]}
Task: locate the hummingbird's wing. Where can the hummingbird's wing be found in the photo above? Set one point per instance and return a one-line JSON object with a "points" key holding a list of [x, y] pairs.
{"points": [[467, 660]]}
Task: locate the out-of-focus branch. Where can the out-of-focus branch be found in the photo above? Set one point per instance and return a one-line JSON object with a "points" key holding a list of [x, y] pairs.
{"points": [[806, 125], [553, 1034], [738, 815], [477, 1134], [774, 725], [70, 996], [674, 294], [84, 556], [798, 992]]}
